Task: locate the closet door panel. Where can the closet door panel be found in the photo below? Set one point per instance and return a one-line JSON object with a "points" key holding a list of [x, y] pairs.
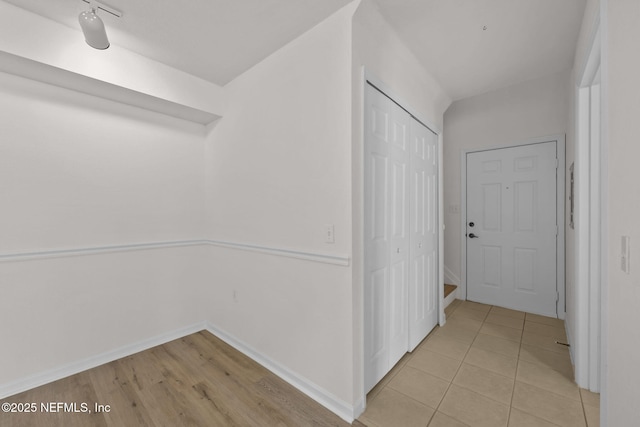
{"points": [[424, 244], [399, 258], [377, 237]]}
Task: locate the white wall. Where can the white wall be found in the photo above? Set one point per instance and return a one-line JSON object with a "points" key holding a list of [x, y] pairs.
{"points": [[62, 315], [622, 133], [84, 172], [279, 169], [514, 114], [272, 172], [577, 290], [378, 50], [80, 172], [280, 166], [589, 21], [77, 171]]}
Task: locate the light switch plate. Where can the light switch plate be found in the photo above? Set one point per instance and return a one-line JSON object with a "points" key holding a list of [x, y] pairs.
{"points": [[329, 233]]}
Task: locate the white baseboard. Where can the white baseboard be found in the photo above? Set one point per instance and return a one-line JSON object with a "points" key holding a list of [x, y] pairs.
{"points": [[450, 277], [358, 408], [336, 405], [45, 377], [572, 355]]}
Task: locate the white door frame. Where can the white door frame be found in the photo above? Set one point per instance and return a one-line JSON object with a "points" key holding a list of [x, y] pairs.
{"points": [[560, 191], [586, 345]]}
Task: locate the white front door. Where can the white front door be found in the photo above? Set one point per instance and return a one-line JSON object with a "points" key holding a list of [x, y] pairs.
{"points": [[512, 229]]}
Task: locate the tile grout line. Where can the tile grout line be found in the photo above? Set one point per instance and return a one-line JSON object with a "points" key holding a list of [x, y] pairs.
{"points": [[584, 412], [431, 334], [517, 360], [521, 344], [450, 382], [531, 385], [458, 370], [452, 378], [515, 377]]}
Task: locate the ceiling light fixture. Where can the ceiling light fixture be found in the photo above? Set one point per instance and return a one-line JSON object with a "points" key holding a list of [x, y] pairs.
{"points": [[92, 26]]}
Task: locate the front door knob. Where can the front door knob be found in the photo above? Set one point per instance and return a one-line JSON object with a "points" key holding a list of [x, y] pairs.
{"points": [[473, 236]]}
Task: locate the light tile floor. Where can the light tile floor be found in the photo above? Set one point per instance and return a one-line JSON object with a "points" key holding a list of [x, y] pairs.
{"points": [[488, 366]]}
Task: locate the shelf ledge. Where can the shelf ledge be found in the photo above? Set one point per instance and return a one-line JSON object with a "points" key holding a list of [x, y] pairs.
{"points": [[38, 71]]}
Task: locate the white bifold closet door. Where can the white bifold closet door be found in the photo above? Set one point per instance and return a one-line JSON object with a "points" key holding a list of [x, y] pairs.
{"points": [[400, 234], [423, 288]]}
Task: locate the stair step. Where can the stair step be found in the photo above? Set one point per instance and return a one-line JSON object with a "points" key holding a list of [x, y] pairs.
{"points": [[448, 289]]}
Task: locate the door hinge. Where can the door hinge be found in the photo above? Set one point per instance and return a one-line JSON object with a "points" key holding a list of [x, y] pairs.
{"points": [[557, 163], [557, 230], [557, 297]]}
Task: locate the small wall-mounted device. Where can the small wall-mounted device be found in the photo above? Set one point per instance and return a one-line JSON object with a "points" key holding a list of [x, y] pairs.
{"points": [[625, 253]]}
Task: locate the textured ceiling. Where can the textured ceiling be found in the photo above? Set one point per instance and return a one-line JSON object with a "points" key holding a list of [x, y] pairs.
{"points": [[474, 46], [469, 46]]}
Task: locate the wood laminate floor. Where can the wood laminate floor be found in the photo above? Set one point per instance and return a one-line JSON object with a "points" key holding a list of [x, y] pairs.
{"points": [[197, 380]]}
